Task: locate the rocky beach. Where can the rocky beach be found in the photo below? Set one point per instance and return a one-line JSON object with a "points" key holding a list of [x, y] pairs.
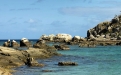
{"points": [[104, 34], [11, 57]]}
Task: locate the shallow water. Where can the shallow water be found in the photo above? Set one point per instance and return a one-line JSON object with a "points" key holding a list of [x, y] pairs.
{"points": [[104, 60]]}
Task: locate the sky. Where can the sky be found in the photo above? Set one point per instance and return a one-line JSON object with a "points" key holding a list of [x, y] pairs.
{"points": [[33, 18]]}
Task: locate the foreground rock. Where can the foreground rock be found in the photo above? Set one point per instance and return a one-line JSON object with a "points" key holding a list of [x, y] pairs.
{"points": [[68, 63], [10, 57], [4, 71]]}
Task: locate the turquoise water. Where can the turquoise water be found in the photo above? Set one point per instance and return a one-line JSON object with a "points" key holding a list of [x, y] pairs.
{"points": [[102, 60]]}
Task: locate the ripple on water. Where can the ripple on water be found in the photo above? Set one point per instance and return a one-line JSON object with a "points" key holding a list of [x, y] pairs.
{"points": [[91, 61]]}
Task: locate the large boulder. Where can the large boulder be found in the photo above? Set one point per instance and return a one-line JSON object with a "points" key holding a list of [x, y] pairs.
{"points": [[63, 37], [42, 45], [15, 44], [76, 38], [24, 42], [7, 44]]}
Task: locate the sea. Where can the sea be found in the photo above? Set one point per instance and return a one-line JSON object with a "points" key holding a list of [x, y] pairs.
{"points": [[101, 60]]}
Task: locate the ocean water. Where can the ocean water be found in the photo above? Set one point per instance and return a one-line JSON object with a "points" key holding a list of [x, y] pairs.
{"points": [[102, 60]]}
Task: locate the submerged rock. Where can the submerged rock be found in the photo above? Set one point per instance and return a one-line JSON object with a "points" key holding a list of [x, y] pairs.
{"points": [[47, 70], [67, 63]]}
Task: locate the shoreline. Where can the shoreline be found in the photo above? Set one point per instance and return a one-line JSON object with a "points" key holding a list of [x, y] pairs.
{"points": [[11, 58]]}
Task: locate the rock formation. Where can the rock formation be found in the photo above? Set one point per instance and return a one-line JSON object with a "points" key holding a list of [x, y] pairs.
{"points": [[30, 61], [61, 47], [14, 44], [42, 45], [88, 44], [24, 42], [61, 37], [7, 44], [68, 63], [10, 58], [76, 38], [109, 30]]}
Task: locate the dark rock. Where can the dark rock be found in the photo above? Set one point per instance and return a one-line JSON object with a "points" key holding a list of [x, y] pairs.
{"points": [[31, 62], [25, 43], [62, 47], [47, 70], [88, 44], [68, 63]]}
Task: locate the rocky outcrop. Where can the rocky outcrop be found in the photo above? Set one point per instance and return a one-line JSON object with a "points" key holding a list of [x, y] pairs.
{"points": [[68, 63], [61, 37], [14, 44], [88, 44], [7, 44], [10, 57], [76, 38], [109, 30], [42, 45], [24, 42], [64, 37]]}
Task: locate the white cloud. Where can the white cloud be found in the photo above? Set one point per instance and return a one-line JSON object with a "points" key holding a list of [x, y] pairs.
{"points": [[31, 21], [80, 11]]}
